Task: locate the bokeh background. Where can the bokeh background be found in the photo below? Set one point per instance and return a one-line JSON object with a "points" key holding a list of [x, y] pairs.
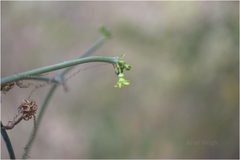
{"points": [[183, 98]]}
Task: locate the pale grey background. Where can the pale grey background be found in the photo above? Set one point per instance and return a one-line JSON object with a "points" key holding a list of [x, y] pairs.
{"points": [[184, 79]]}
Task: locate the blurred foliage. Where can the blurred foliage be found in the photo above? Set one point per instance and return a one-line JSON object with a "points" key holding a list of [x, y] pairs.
{"points": [[184, 79]]}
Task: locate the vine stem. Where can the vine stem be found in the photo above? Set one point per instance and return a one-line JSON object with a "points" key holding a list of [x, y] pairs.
{"points": [[58, 66], [7, 143], [59, 77], [68, 65]]}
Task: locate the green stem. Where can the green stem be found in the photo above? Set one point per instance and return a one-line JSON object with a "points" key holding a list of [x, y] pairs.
{"points": [[96, 45], [7, 143], [58, 66]]}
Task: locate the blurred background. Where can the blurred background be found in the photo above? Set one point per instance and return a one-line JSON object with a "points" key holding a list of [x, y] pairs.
{"points": [[184, 93]]}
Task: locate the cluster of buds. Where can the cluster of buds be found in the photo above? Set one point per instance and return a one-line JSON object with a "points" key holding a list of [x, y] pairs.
{"points": [[119, 68]]}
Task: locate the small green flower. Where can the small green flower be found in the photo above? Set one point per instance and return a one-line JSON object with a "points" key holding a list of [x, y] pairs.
{"points": [[119, 68], [121, 81]]}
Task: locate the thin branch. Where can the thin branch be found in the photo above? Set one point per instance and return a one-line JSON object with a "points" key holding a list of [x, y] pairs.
{"points": [[58, 66]]}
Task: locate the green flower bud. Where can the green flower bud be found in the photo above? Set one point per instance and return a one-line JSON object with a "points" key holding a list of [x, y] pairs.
{"points": [[127, 67]]}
